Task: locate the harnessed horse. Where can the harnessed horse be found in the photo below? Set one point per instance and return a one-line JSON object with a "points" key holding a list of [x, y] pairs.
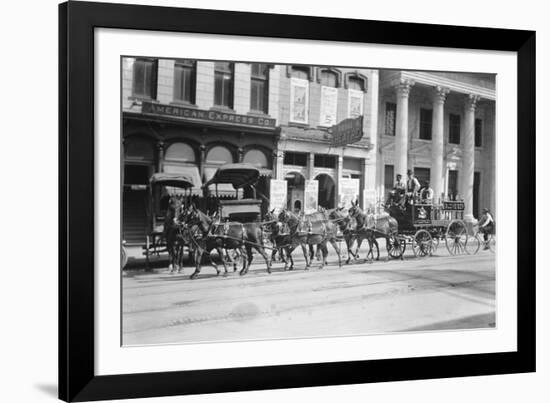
{"points": [[312, 231], [226, 235], [375, 226]]}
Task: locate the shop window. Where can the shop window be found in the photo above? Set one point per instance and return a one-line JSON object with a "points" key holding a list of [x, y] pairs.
{"points": [[219, 155], [391, 111], [180, 152], [257, 158], [144, 82], [454, 129], [479, 132], [299, 159], [223, 84], [184, 81], [324, 161], [259, 88], [425, 129]]}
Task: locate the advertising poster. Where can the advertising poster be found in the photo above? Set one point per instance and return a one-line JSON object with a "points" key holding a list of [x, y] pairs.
{"points": [[298, 100], [311, 196], [278, 194], [349, 191], [329, 101]]}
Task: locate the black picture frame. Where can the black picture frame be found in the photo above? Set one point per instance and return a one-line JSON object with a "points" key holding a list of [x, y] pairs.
{"points": [[77, 21]]}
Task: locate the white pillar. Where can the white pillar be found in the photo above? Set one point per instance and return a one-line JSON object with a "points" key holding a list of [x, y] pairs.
{"points": [[437, 173], [467, 190], [402, 127], [310, 166], [279, 163]]}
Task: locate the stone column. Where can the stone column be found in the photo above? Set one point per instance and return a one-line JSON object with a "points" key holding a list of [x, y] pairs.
{"points": [[437, 173], [339, 173], [402, 127], [467, 191], [202, 160], [279, 163], [310, 166], [160, 156]]}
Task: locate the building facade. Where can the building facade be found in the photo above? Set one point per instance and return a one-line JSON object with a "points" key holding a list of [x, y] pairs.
{"points": [[192, 116]]}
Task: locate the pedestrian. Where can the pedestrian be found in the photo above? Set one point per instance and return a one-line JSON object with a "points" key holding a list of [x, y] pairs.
{"points": [[486, 226]]}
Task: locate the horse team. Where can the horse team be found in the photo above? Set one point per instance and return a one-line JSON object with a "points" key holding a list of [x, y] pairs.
{"points": [[187, 226]]}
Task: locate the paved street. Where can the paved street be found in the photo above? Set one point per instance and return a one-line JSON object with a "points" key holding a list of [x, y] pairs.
{"points": [[441, 292]]}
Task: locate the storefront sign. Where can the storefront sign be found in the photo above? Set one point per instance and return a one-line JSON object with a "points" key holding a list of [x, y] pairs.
{"points": [[349, 191], [329, 101], [277, 194], [453, 205], [311, 196], [206, 115], [348, 131]]}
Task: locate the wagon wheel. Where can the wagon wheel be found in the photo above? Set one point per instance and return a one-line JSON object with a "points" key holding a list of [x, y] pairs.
{"points": [[422, 243], [473, 245], [374, 252], [456, 237], [395, 247]]}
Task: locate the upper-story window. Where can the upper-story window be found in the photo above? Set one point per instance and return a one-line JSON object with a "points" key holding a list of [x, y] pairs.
{"points": [[259, 87], [329, 98], [391, 110], [356, 88], [184, 81], [478, 132], [454, 128], [425, 129], [299, 94], [223, 84], [144, 83]]}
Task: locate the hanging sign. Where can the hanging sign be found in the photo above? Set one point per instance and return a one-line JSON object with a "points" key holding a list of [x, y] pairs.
{"points": [[349, 191]]}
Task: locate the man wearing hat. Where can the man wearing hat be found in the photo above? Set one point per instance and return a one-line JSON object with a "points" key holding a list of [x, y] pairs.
{"points": [[413, 186], [427, 193], [486, 225]]}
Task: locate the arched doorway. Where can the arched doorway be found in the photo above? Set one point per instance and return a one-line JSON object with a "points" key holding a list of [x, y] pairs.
{"points": [[260, 160], [295, 182], [327, 191]]}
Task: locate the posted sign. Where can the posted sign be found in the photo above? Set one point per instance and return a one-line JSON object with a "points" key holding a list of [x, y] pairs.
{"points": [[311, 194], [349, 191], [277, 193]]}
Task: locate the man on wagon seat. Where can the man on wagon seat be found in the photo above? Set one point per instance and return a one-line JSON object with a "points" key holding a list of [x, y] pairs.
{"points": [[427, 193]]}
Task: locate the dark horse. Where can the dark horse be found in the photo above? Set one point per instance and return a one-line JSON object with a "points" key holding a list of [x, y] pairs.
{"points": [[378, 226], [225, 235], [312, 230], [282, 240], [171, 233], [348, 228]]}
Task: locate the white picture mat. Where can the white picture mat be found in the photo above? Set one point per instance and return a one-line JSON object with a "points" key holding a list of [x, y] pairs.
{"points": [[113, 359]]}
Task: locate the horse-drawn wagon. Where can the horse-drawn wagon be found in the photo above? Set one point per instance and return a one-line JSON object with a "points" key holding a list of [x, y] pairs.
{"points": [[424, 225], [167, 193]]}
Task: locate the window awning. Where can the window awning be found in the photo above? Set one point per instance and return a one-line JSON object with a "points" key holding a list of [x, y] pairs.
{"points": [[175, 176]]}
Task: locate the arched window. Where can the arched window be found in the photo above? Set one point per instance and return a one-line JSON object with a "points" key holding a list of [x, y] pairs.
{"points": [[138, 149], [219, 155], [329, 78], [257, 158], [180, 152], [301, 72], [356, 83]]}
